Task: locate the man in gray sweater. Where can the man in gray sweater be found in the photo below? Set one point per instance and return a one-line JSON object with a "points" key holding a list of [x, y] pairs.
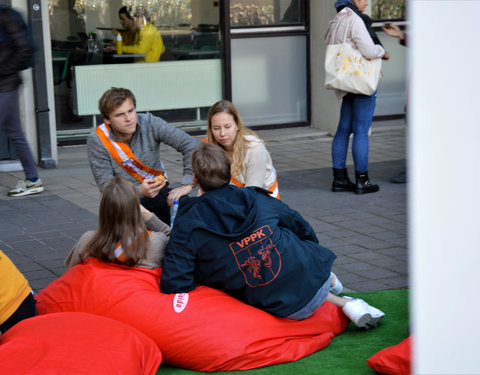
{"points": [[128, 145]]}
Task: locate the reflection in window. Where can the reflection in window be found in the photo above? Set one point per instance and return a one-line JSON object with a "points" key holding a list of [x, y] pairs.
{"points": [[388, 9], [265, 12]]}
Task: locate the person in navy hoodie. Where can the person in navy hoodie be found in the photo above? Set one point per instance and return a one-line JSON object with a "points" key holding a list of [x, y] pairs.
{"points": [[253, 246]]}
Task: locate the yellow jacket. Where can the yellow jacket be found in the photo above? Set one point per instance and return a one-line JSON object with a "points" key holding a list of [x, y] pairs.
{"points": [[149, 42], [14, 288]]}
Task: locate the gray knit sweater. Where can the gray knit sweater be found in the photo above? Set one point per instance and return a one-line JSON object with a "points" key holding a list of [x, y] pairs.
{"points": [[145, 145]]}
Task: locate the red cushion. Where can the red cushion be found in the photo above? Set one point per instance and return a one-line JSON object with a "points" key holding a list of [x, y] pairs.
{"points": [[76, 343], [213, 332], [394, 360]]}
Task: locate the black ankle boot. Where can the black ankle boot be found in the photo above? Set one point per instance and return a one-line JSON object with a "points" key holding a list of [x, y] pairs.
{"points": [[363, 185], [341, 182]]}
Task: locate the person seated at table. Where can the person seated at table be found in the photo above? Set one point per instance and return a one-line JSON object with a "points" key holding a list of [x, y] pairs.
{"points": [[252, 246], [148, 40], [126, 20], [127, 233], [251, 162]]}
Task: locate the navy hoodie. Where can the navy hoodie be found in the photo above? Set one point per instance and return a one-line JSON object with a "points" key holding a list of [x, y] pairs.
{"points": [[248, 244]]}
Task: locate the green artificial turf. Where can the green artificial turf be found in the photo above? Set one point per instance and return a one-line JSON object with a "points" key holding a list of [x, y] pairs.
{"points": [[347, 354]]}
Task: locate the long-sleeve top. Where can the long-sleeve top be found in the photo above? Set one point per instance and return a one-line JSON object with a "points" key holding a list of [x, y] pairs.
{"points": [[149, 42], [145, 144], [156, 246], [259, 169], [14, 288], [15, 48]]}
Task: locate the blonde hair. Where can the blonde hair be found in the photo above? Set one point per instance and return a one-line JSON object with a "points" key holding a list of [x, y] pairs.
{"points": [[241, 144], [120, 222]]}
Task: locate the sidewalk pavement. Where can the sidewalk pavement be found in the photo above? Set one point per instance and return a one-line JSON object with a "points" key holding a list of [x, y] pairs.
{"points": [[367, 232]]}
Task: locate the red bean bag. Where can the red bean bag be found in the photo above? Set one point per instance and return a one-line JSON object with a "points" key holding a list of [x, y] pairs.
{"points": [[76, 343], [394, 360], [204, 330]]}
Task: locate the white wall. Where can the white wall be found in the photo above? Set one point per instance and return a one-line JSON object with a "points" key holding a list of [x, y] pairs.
{"points": [[444, 179], [325, 105]]}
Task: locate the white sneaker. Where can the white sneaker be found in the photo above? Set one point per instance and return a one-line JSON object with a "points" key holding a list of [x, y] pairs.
{"points": [[26, 187], [360, 313], [337, 286], [377, 314]]}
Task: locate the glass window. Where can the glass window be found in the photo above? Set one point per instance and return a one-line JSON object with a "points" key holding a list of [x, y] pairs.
{"points": [[265, 12], [269, 79], [84, 35], [388, 9]]}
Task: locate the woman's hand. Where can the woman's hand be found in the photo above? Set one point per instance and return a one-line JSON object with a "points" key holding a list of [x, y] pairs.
{"points": [[386, 56], [176, 194]]}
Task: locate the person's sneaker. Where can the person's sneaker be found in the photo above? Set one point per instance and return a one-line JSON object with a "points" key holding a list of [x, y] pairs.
{"points": [[358, 311], [26, 187], [337, 286], [377, 314]]}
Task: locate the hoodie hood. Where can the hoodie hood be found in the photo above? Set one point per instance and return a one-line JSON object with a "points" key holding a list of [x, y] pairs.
{"points": [[229, 213]]}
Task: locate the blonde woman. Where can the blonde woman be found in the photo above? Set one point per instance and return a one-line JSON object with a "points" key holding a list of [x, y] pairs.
{"points": [[251, 162]]}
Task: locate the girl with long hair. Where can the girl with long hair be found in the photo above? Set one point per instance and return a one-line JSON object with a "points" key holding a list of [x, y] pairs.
{"points": [[127, 233], [251, 162]]}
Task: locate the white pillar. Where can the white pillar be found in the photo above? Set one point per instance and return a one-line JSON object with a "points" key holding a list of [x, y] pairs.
{"points": [[444, 204]]}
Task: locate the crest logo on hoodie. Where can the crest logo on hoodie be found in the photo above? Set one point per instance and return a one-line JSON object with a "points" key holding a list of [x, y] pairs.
{"points": [[257, 257]]}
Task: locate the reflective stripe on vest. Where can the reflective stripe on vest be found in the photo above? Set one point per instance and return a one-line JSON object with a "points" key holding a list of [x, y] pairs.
{"points": [[272, 189], [122, 154], [120, 254]]}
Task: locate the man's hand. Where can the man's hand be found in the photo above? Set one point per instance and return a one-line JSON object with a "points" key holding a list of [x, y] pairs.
{"points": [[176, 194], [150, 189]]}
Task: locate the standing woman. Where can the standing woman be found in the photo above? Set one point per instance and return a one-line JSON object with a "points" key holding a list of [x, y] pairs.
{"points": [[356, 113], [251, 162], [127, 234]]}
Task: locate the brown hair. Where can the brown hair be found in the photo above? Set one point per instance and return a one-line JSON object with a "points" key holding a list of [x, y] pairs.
{"points": [[211, 166], [120, 221], [240, 145], [113, 99]]}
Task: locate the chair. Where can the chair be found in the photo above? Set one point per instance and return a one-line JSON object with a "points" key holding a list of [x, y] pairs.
{"points": [[60, 66]]}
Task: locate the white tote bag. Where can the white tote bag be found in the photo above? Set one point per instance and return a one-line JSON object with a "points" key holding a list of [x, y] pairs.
{"points": [[346, 69]]}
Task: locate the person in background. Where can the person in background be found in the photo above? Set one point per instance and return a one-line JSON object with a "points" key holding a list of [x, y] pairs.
{"points": [[252, 246], [127, 233], [129, 32], [251, 162], [357, 110], [128, 145], [16, 53], [16, 296], [148, 40]]}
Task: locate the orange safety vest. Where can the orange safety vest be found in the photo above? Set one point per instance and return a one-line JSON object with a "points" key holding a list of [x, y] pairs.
{"points": [[122, 154], [119, 253], [272, 189]]}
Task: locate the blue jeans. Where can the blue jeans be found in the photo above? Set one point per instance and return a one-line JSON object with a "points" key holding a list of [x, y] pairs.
{"points": [[356, 117], [318, 299], [10, 124]]}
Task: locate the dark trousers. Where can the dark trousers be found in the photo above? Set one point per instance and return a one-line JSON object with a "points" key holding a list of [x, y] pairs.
{"points": [[27, 309], [10, 124], [158, 205]]}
